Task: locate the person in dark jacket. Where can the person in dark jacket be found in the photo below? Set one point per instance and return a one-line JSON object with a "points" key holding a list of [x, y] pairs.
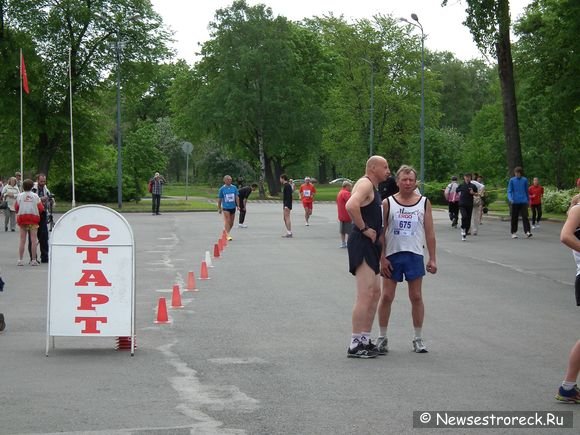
{"points": [[466, 190]]}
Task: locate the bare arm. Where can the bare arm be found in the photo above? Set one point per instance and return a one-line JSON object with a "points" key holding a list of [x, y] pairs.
{"points": [[567, 236], [386, 267], [430, 239], [361, 192]]}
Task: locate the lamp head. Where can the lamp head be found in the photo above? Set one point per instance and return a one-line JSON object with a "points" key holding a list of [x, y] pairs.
{"points": [[415, 17]]}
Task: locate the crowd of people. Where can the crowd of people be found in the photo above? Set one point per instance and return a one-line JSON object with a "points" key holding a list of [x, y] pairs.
{"points": [[385, 223], [25, 204]]}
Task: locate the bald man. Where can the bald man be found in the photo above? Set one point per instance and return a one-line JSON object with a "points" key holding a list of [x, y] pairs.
{"points": [[364, 251]]}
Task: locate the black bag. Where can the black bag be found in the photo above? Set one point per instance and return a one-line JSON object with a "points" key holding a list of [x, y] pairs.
{"points": [[3, 205]]}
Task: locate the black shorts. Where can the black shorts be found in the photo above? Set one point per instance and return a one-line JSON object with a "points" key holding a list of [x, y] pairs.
{"points": [[360, 248], [230, 210], [288, 206]]}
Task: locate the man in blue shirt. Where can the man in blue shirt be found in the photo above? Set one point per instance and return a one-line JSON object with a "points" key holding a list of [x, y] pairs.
{"points": [[518, 198], [228, 202]]}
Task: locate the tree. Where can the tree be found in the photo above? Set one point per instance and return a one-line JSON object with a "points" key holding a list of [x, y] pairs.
{"points": [[489, 22], [548, 67], [258, 88], [90, 29]]}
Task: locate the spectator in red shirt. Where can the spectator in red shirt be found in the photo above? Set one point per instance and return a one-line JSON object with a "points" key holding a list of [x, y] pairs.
{"points": [[536, 192], [307, 191], [344, 220], [28, 208]]}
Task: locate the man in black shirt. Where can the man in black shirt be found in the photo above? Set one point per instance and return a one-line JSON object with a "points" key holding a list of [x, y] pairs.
{"points": [[466, 190], [243, 195], [287, 203], [388, 187]]}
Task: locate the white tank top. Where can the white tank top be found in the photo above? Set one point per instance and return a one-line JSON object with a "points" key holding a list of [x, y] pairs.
{"points": [[406, 227]]}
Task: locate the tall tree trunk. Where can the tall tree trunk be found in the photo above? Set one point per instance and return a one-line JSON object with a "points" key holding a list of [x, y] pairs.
{"points": [[262, 156], [46, 149], [322, 163], [508, 90]]}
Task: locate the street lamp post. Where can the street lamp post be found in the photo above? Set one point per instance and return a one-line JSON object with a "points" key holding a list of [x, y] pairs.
{"points": [[119, 45], [372, 116], [422, 122]]}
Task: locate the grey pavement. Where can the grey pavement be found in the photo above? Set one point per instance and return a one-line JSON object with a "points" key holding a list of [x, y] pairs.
{"points": [[261, 348]]}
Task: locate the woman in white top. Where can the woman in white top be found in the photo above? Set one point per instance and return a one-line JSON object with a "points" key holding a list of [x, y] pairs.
{"points": [[9, 193]]}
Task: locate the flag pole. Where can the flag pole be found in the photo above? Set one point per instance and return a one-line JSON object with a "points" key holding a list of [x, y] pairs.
{"points": [[21, 120], [72, 152]]}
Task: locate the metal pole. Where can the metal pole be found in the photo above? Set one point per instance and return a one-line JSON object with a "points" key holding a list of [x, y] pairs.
{"points": [[119, 142], [372, 134], [186, 173], [72, 144], [371, 122], [422, 169]]}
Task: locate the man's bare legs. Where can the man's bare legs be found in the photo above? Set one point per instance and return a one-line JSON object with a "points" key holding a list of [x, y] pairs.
{"points": [[365, 305]]}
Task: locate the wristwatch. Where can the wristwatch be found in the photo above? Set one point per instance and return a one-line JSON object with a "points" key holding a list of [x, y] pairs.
{"points": [[364, 229]]}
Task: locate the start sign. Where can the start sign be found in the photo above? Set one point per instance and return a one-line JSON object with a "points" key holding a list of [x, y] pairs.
{"points": [[91, 279]]}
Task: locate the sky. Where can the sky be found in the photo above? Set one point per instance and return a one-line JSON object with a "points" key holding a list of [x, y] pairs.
{"points": [[443, 26]]}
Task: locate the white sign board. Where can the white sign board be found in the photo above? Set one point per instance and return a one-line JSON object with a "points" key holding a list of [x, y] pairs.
{"points": [[91, 288]]}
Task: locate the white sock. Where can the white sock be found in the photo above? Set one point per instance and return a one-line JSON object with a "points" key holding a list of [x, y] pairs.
{"points": [[365, 337], [355, 340], [568, 385], [382, 331], [418, 332]]}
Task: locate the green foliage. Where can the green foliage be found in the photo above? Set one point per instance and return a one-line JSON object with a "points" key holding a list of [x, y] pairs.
{"points": [[434, 191], [548, 67], [557, 201], [95, 182]]}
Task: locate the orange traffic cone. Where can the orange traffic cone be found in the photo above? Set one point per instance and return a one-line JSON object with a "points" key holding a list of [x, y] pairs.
{"points": [[216, 251], [124, 343], [204, 274], [191, 282], [220, 244], [176, 297], [162, 316]]}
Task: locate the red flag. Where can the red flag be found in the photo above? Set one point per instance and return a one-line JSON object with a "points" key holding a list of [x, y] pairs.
{"points": [[23, 75]]}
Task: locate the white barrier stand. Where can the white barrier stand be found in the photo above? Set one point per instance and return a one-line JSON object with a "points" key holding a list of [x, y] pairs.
{"points": [[91, 276]]}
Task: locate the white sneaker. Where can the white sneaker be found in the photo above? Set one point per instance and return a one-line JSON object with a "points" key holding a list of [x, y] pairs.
{"points": [[242, 226], [307, 224], [419, 346], [533, 227], [514, 236], [528, 234]]}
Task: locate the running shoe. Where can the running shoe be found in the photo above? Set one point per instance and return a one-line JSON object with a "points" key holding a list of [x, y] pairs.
{"points": [[533, 226], [528, 234], [463, 238], [419, 346], [2, 322], [242, 226], [342, 245], [307, 224], [362, 351], [20, 263], [382, 345], [568, 396], [34, 263], [287, 236], [514, 236], [230, 238]]}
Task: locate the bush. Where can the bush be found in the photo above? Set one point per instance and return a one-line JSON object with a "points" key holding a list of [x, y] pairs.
{"points": [[435, 192], [557, 201]]}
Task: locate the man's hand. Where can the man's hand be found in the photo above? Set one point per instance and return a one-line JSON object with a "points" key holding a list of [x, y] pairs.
{"points": [[431, 266], [371, 234], [386, 267]]}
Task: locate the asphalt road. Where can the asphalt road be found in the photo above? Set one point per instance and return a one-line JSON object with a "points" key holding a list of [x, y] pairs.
{"points": [[261, 348]]}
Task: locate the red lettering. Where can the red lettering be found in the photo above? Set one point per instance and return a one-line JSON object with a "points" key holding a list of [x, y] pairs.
{"points": [[88, 301], [84, 233], [90, 324], [95, 276], [92, 254]]}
